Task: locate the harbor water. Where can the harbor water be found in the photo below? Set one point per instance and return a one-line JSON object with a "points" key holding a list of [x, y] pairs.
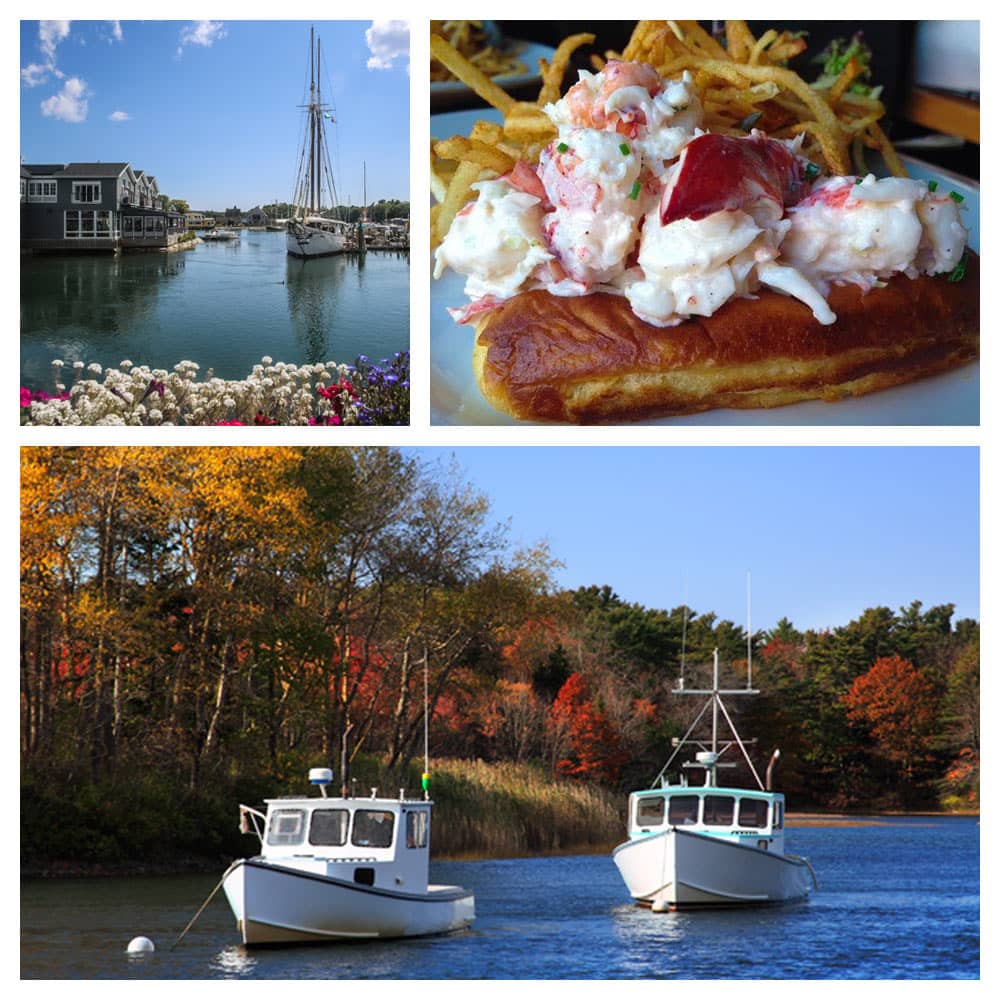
{"points": [[221, 305], [898, 899]]}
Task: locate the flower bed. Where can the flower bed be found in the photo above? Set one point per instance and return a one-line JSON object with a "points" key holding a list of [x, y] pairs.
{"points": [[273, 393]]}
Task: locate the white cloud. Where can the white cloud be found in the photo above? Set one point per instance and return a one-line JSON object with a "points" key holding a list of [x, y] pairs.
{"points": [[387, 42], [119, 116], [50, 34], [34, 74], [116, 30], [204, 33], [70, 104]]}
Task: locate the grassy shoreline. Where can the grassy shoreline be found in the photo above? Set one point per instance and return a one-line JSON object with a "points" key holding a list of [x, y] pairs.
{"points": [[481, 811]]}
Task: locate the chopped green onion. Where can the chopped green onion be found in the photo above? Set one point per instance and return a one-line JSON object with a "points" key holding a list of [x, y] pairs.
{"points": [[956, 197], [634, 193], [858, 180], [958, 271], [624, 148], [812, 171], [750, 120], [562, 147], [932, 186]]}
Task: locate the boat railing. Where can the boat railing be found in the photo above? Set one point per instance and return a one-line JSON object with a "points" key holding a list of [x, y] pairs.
{"points": [[252, 821], [805, 861]]}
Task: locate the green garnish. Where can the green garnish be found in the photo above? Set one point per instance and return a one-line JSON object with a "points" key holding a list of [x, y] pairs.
{"points": [[958, 271], [932, 186], [624, 149], [956, 197], [562, 147], [750, 120], [812, 171], [634, 193], [835, 57], [858, 180]]}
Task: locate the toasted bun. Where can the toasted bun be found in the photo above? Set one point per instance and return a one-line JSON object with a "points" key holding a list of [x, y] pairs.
{"points": [[589, 359]]}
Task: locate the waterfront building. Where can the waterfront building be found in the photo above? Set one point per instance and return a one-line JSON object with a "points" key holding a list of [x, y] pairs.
{"points": [[94, 206], [257, 218]]}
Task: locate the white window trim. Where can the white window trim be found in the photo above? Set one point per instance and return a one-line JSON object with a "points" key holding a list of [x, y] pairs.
{"points": [[42, 197], [91, 234], [74, 200]]}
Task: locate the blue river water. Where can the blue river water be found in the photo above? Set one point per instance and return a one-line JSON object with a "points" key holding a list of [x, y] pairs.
{"points": [[222, 305], [898, 900]]}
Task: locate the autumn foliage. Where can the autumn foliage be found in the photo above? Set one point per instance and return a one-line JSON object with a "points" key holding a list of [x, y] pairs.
{"points": [[216, 615], [592, 748]]}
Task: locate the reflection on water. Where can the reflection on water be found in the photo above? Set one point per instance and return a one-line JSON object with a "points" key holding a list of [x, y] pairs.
{"points": [[882, 912], [313, 292], [234, 961], [221, 305]]}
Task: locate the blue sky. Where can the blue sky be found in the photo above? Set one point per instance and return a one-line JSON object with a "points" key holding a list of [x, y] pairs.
{"points": [[211, 108], [824, 532]]}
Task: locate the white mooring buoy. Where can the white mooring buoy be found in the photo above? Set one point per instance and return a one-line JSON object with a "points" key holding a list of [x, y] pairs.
{"points": [[140, 945]]}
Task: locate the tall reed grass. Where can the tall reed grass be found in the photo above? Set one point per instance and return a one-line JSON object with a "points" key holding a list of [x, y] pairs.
{"points": [[511, 810]]}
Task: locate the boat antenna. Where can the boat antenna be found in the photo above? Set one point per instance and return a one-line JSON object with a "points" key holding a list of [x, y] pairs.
{"points": [[684, 635], [749, 639], [425, 778]]}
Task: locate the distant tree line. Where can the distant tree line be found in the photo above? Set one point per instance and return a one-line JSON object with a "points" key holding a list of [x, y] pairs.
{"points": [[377, 211], [224, 615]]}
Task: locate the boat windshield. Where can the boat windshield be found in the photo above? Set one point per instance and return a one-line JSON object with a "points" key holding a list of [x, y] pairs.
{"points": [[328, 827], [719, 810], [683, 810], [753, 812], [372, 828], [286, 826]]}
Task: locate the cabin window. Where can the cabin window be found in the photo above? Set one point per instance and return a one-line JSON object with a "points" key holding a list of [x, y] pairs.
{"points": [[719, 810], [328, 827], [86, 193], [779, 814], [649, 811], [753, 812], [416, 829], [286, 827], [372, 828], [683, 810]]}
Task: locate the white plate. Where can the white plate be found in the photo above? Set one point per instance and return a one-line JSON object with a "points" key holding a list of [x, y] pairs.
{"points": [[950, 399], [526, 52]]}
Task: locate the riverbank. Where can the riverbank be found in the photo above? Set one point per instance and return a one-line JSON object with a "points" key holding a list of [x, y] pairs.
{"points": [[197, 865]]}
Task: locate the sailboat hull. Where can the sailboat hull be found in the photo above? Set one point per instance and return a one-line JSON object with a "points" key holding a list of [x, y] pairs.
{"points": [[306, 241], [677, 870]]}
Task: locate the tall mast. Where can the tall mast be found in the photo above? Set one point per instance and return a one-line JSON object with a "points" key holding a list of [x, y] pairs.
{"points": [[312, 125], [319, 133]]}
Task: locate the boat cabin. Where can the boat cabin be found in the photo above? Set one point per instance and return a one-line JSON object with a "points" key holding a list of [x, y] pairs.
{"points": [[378, 842], [753, 818]]}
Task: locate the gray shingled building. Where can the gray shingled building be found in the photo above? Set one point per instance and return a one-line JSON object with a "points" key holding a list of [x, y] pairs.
{"points": [[94, 206]]}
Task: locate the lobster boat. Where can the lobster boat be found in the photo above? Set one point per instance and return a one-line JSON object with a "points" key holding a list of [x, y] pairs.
{"points": [[342, 868], [710, 845]]}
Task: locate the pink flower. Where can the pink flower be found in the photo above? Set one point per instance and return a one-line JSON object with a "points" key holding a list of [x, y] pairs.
{"points": [[25, 397]]}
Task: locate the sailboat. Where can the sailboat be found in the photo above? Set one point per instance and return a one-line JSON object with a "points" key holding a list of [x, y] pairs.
{"points": [[309, 234], [713, 844]]}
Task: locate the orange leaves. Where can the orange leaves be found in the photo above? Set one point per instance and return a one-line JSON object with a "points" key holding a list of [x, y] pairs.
{"points": [[898, 705], [595, 751]]}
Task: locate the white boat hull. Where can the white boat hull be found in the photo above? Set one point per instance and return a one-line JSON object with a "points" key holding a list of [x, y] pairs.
{"points": [[274, 904], [307, 241], [678, 869]]}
